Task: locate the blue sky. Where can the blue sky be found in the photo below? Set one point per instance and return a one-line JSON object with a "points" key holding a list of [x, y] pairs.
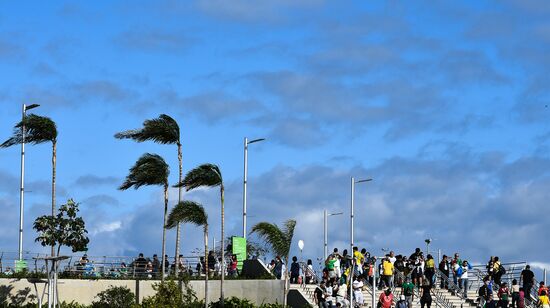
{"points": [[444, 104]]}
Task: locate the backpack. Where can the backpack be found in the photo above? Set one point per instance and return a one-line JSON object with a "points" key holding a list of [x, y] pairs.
{"points": [[501, 270], [459, 271], [402, 304]]}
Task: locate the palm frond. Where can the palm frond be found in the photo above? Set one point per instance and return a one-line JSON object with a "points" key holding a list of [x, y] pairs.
{"points": [[279, 240], [38, 129], [204, 175], [187, 212], [149, 169], [163, 129]]}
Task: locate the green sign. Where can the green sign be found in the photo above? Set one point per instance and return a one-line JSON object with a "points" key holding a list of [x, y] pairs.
{"points": [[239, 249], [20, 265]]}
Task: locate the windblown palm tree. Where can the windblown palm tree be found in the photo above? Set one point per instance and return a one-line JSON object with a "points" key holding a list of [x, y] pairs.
{"points": [[163, 130], [151, 169], [208, 175], [37, 130], [279, 240], [192, 212]]}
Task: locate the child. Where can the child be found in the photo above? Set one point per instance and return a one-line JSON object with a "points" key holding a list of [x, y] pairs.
{"points": [[515, 293]]}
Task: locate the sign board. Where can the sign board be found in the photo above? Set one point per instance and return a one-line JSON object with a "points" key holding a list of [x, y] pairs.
{"points": [[239, 249]]}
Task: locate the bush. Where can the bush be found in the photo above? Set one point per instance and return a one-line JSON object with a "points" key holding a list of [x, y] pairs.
{"points": [[233, 302], [120, 297], [169, 295]]}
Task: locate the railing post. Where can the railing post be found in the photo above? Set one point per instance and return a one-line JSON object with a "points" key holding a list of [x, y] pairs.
{"points": [[544, 276]]}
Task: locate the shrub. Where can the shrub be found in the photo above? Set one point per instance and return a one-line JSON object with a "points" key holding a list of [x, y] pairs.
{"points": [[233, 302], [169, 294], [120, 297]]}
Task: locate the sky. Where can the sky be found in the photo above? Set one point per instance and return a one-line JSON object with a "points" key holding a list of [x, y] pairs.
{"points": [[443, 103]]}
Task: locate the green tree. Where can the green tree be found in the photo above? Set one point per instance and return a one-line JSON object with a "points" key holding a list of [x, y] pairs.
{"points": [[163, 130], [64, 229], [120, 297], [151, 169], [194, 213], [208, 175], [280, 241], [38, 130]]}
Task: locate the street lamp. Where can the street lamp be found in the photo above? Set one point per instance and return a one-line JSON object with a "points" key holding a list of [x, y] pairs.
{"points": [[22, 187], [326, 231], [353, 182], [428, 241], [246, 143]]}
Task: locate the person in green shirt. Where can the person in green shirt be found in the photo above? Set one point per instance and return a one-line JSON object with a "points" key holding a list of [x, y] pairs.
{"points": [[408, 291]]}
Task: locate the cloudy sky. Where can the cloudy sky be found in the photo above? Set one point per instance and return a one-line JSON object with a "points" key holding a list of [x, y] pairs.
{"points": [[443, 103]]}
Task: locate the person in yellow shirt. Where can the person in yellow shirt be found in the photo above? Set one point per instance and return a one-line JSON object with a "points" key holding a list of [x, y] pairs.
{"points": [[543, 300], [359, 260], [387, 272]]}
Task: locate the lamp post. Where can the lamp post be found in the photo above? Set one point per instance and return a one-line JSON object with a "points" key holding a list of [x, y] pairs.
{"points": [[246, 143], [326, 215], [353, 182], [428, 241], [22, 187]]}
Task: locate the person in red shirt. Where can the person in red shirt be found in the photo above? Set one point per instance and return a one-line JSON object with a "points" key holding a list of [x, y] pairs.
{"points": [[386, 299], [542, 287]]}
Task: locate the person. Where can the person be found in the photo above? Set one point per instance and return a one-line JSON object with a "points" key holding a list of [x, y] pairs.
{"points": [[463, 271], [386, 299], [342, 294], [358, 291], [232, 269], [330, 266], [166, 265], [320, 294], [408, 291], [200, 266], [402, 303], [399, 266], [490, 302], [515, 293], [139, 264], [491, 267], [180, 265], [309, 271], [429, 269], [328, 290], [542, 287], [527, 277], [211, 263], [498, 271], [387, 272], [149, 269], [294, 270], [345, 263], [359, 259], [455, 264], [417, 272], [123, 270], [444, 268], [543, 300], [337, 263], [156, 264], [426, 297], [278, 269], [484, 292], [503, 295], [521, 298]]}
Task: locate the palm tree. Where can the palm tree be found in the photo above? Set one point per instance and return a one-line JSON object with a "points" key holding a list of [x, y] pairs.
{"points": [[151, 169], [279, 240], [192, 212], [38, 129], [163, 130], [209, 175]]}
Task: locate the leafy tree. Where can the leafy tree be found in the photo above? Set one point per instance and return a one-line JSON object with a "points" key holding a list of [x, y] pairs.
{"points": [[64, 229], [120, 297], [280, 241], [208, 175], [192, 212], [169, 295], [163, 130], [151, 169], [38, 130]]}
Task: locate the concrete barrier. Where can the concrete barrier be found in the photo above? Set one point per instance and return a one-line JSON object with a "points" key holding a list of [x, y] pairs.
{"points": [[84, 291]]}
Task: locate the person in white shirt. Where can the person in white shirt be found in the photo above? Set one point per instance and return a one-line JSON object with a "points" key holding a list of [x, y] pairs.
{"points": [[358, 292]]}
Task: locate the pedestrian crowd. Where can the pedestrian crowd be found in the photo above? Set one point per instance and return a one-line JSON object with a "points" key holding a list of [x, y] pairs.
{"points": [[415, 272]]}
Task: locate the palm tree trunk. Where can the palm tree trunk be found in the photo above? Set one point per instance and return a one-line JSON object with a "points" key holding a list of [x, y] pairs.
{"points": [[179, 200], [54, 160], [164, 230], [205, 266], [222, 191]]}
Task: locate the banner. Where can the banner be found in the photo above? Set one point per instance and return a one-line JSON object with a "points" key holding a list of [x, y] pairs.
{"points": [[239, 249]]}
